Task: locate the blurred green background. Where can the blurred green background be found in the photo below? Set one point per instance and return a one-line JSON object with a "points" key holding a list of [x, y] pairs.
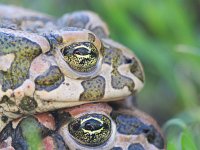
{"points": [[165, 36]]}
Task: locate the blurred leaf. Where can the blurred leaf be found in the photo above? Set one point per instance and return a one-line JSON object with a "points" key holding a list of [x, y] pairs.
{"points": [[187, 141], [183, 132], [179, 136], [189, 51], [171, 145]]}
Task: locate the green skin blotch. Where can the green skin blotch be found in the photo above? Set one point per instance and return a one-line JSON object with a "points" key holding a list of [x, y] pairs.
{"points": [[94, 89], [28, 104], [136, 70], [118, 81], [50, 79], [25, 51]]}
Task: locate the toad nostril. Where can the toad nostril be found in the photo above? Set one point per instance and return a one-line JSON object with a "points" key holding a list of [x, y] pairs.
{"points": [[146, 131], [128, 61]]}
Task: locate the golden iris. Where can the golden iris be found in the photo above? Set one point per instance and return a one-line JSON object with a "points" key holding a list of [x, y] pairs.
{"points": [[91, 129], [81, 57]]}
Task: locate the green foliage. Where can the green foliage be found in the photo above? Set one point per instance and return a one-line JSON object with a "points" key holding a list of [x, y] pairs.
{"points": [[165, 36], [183, 132], [186, 142]]}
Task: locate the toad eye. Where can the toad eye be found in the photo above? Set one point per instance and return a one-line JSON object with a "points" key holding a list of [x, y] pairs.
{"points": [[91, 129], [81, 57]]}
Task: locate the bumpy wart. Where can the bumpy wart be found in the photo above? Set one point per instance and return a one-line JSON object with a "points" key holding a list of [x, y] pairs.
{"points": [[28, 104]]}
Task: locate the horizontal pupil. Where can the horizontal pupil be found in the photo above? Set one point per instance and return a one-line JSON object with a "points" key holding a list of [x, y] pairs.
{"points": [[92, 125], [81, 51]]}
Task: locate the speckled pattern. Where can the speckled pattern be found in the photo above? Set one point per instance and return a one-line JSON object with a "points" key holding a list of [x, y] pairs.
{"points": [[8, 23], [113, 56], [119, 82], [93, 88], [50, 79], [7, 100], [136, 70], [28, 104], [25, 51]]}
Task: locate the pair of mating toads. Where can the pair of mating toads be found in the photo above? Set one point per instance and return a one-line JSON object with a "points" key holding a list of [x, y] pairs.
{"points": [[50, 68]]}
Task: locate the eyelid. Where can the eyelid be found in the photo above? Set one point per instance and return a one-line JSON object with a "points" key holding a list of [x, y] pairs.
{"points": [[90, 112], [91, 108]]}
